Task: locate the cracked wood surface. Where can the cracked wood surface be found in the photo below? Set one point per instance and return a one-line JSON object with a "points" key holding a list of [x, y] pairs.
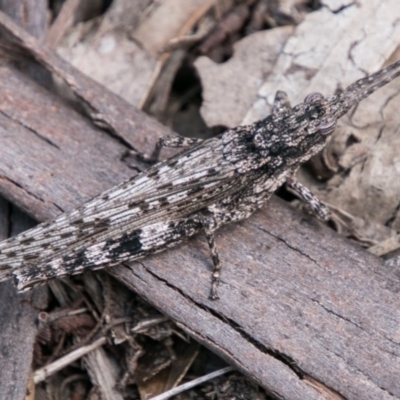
{"points": [[59, 135], [303, 311]]}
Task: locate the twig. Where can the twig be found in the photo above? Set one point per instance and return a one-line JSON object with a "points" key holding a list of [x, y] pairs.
{"points": [[193, 383], [42, 373]]}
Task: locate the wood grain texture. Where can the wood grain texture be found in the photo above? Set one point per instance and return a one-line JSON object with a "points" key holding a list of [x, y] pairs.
{"points": [[18, 331], [18, 312], [36, 126], [303, 311], [17, 317]]}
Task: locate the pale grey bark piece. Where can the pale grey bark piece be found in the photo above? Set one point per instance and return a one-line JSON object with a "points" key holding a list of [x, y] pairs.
{"points": [[158, 27], [230, 88], [104, 373], [113, 59]]}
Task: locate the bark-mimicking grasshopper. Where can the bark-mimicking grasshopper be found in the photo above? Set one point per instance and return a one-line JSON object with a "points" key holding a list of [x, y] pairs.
{"points": [[216, 181]]}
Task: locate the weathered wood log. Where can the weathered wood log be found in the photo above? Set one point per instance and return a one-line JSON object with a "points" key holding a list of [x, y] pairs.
{"points": [[17, 312], [17, 319], [303, 311]]}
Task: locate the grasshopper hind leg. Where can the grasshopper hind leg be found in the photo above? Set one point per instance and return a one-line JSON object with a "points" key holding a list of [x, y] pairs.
{"points": [[314, 204]]}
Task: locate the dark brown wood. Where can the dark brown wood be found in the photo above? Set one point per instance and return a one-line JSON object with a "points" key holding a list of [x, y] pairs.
{"points": [[306, 313]]}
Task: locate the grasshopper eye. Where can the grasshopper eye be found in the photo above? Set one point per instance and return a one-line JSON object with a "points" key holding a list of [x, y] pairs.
{"points": [[313, 97], [327, 125]]}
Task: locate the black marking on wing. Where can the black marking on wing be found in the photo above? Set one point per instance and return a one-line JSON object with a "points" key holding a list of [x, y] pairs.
{"points": [[185, 183], [127, 247]]}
